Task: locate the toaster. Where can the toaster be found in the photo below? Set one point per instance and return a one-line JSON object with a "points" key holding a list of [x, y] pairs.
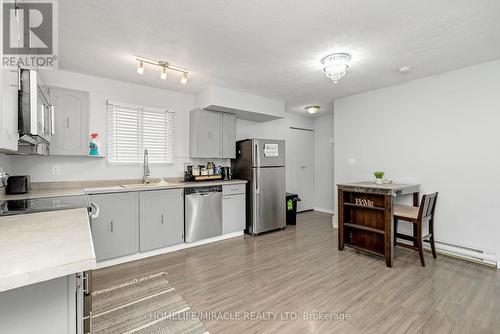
{"points": [[18, 184]]}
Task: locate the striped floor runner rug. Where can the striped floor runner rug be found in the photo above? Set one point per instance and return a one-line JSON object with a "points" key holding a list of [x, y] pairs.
{"points": [[146, 305]]}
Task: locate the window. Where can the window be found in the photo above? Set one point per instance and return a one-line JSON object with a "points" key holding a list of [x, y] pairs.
{"points": [[131, 129]]}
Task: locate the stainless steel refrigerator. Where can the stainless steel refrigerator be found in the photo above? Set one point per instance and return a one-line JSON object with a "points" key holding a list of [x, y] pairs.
{"points": [[262, 163]]}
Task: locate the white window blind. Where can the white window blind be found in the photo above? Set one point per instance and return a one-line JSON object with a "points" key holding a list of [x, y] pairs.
{"points": [[131, 129]]}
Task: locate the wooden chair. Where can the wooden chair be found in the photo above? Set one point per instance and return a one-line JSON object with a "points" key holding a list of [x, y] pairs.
{"points": [[417, 216]]}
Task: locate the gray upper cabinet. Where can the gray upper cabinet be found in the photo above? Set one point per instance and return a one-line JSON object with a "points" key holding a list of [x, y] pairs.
{"points": [[71, 113], [162, 218], [212, 134], [228, 136], [8, 115], [205, 134], [115, 231]]}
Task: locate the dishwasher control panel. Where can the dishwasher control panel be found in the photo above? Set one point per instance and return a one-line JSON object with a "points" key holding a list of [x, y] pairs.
{"points": [[201, 190]]}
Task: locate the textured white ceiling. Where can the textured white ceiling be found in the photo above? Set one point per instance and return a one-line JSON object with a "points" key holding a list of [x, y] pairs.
{"points": [[273, 47]]}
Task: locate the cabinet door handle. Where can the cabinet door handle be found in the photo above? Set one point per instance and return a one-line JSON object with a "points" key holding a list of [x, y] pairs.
{"points": [[67, 122], [112, 226], [95, 210], [85, 281], [162, 218]]}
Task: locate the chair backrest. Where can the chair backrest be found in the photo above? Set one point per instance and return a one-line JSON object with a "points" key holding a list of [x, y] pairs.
{"points": [[427, 206]]}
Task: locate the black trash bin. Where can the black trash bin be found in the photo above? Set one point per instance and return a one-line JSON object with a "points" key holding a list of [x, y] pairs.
{"points": [[291, 208]]}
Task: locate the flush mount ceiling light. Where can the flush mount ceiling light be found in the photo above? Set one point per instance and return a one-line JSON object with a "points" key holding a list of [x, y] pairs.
{"points": [[335, 65], [164, 66], [312, 109]]}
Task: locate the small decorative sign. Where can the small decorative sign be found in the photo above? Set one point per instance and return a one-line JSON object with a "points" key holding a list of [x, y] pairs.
{"points": [[270, 150], [364, 202]]}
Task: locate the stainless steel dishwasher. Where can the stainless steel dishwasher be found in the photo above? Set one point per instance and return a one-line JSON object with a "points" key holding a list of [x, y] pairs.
{"points": [[203, 215]]}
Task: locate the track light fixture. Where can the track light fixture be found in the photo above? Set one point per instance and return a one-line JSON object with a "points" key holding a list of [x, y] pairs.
{"points": [[163, 74], [184, 78], [164, 65], [140, 68]]}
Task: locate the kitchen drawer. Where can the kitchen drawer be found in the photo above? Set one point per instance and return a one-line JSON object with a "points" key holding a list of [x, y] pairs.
{"points": [[233, 189]]}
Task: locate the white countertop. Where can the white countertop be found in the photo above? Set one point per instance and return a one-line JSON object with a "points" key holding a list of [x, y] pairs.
{"points": [[38, 247], [156, 186], [42, 193]]}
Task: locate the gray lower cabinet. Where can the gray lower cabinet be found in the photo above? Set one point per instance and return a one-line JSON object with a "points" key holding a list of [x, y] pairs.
{"points": [[162, 218], [51, 307], [71, 118], [115, 231], [233, 213]]}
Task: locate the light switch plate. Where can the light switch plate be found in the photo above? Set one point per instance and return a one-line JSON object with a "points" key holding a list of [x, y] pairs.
{"points": [[352, 161]]}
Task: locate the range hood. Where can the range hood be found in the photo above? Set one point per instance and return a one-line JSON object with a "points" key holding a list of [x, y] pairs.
{"points": [[35, 115]]}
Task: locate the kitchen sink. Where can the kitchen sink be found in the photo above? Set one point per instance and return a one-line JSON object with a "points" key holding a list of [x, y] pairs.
{"points": [[147, 185]]}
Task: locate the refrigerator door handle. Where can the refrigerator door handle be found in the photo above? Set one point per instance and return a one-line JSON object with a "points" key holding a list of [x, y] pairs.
{"points": [[257, 160]]}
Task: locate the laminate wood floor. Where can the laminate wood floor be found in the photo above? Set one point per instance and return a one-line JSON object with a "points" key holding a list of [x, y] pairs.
{"points": [[300, 270]]}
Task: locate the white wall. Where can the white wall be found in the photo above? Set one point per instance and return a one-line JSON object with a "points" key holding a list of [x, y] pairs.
{"points": [[5, 163], [440, 131], [101, 90], [277, 129], [323, 163]]}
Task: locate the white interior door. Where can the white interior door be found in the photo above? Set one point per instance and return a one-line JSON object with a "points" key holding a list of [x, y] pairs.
{"points": [[300, 167]]}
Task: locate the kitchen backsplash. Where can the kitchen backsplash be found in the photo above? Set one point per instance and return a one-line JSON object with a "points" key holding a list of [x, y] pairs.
{"points": [[59, 168]]}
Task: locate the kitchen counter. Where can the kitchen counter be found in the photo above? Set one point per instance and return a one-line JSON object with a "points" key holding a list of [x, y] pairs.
{"points": [[155, 186], [42, 193], [70, 188], [42, 246]]}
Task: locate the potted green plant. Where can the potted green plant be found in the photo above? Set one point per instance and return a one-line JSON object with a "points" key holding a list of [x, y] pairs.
{"points": [[379, 177]]}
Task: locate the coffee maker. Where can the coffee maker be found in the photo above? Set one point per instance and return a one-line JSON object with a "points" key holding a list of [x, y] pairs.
{"points": [[227, 173]]}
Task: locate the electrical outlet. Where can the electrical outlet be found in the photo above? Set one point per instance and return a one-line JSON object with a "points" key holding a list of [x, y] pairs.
{"points": [[352, 161], [56, 170]]}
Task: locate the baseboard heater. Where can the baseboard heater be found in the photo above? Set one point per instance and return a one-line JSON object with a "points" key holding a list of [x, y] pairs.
{"points": [[481, 256]]}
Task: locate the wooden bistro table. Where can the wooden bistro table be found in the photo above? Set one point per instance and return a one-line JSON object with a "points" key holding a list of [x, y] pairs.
{"points": [[366, 212]]}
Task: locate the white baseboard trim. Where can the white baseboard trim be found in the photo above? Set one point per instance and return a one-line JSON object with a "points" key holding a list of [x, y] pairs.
{"points": [[323, 210], [159, 251], [334, 222]]}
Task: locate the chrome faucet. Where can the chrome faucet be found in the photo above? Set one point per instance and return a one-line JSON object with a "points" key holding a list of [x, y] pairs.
{"points": [[147, 172]]}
